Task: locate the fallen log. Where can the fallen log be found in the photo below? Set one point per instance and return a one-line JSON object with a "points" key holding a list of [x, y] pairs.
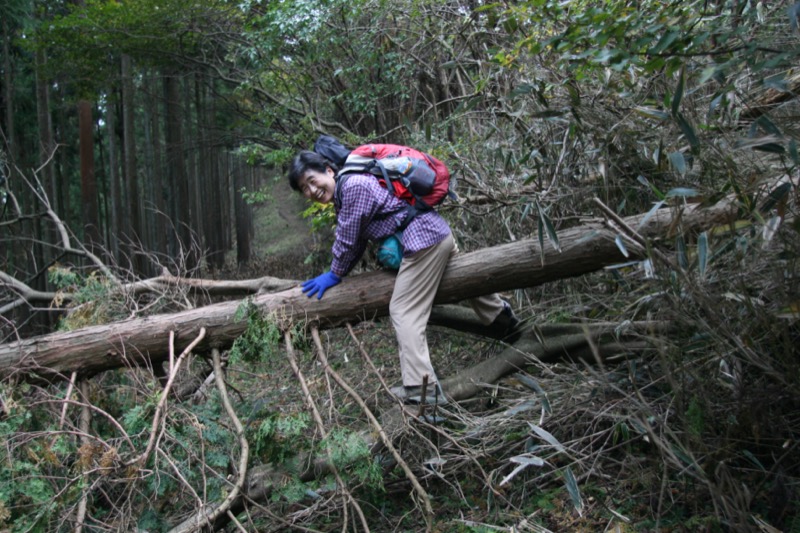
{"points": [[145, 341]]}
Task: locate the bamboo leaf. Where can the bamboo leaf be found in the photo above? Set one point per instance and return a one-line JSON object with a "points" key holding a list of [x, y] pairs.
{"points": [[523, 462], [678, 97], [521, 408], [683, 192], [678, 162], [547, 437], [651, 112], [548, 226], [528, 460], [768, 126], [644, 181], [688, 130], [526, 211], [650, 213], [680, 250], [534, 385], [794, 15], [540, 232], [621, 246], [754, 143], [702, 253], [770, 228], [574, 490]]}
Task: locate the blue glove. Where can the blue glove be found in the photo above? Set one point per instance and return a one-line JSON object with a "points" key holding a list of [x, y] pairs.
{"points": [[320, 284]]}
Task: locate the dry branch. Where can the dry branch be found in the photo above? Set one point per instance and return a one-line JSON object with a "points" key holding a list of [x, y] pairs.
{"points": [[208, 516], [585, 249]]}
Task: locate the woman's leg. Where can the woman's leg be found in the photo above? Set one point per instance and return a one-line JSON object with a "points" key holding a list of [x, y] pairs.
{"points": [[410, 307]]}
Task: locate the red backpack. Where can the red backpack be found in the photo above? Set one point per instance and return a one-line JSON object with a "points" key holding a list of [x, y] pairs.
{"points": [[416, 177]]}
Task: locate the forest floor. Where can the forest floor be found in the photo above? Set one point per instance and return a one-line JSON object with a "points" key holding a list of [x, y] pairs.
{"points": [[282, 236]]}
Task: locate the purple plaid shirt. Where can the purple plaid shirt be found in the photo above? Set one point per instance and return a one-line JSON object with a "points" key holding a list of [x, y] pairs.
{"points": [[369, 212]]}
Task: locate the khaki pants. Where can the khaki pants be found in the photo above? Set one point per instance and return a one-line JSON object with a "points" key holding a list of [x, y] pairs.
{"points": [[410, 308]]}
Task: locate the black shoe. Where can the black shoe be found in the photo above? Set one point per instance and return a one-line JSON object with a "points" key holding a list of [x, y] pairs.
{"points": [[413, 395], [507, 325]]}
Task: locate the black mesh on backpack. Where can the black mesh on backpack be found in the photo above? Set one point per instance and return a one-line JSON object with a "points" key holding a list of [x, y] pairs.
{"points": [[332, 150]]}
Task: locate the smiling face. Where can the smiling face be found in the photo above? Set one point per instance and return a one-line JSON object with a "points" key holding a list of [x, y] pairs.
{"points": [[318, 186]]}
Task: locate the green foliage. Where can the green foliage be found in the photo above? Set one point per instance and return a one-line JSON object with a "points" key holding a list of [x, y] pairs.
{"points": [[695, 417], [256, 197], [280, 437], [93, 299], [350, 453], [322, 216], [82, 41], [26, 497], [260, 339], [652, 36]]}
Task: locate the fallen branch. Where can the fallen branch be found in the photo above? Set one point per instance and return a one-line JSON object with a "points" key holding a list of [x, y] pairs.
{"points": [[155, 435], [376, 426], [519, 264], [321, 427], [205, 517]]}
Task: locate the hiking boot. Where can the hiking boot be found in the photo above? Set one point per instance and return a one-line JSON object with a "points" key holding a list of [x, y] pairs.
{"points": [[507, 325], [413, 395]]}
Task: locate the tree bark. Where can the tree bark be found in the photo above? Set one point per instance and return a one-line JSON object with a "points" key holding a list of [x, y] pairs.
{"points": [[584, 248], [134, 236], [180, 202], [91, 219]]}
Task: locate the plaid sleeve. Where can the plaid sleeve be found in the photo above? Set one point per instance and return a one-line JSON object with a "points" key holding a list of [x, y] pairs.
{"points": [[351, 223]]}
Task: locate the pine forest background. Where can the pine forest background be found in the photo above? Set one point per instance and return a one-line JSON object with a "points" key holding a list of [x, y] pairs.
{"points": [[145, 139]]}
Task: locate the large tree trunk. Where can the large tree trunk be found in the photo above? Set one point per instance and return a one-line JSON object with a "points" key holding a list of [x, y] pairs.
{"points": [[134, 236], [585, 249], [91, 219], [176, 170]]}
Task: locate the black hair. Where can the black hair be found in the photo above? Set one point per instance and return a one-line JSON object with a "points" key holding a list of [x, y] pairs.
{"points": [[303, 162]]}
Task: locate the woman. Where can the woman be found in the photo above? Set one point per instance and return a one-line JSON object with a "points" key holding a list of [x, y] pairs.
{"points": [[366, 211]]}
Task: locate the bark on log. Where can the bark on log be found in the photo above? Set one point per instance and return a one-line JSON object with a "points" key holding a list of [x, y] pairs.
{"points": [[584, 249]]}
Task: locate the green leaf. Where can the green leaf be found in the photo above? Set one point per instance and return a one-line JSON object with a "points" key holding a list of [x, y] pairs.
{"points": [[489, 7], [525, 211], [549, 113], [523, 89], [702, 254], [683, 192], [776, 195], [651, 112], [534, 385], [680, 250], [540, 228], [574, 490], [644, 181], [678, 96], [547, 437], [548, 226], [772, 148], [758, 143], [688, 130], [777, 82], [666, 40], [768, 126], [621, 245], [650, 213], [678, 162]]}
